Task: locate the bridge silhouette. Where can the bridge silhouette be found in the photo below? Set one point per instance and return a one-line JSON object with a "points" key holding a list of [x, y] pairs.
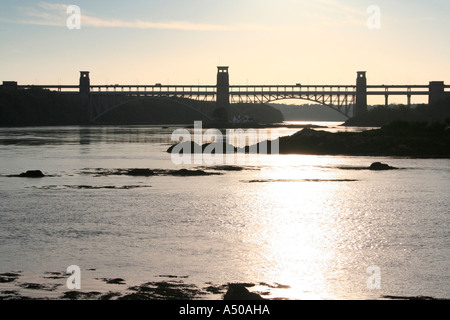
{"points": [[349, 100]]}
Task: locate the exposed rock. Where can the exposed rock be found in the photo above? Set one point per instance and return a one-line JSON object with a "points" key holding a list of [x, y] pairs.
{"points": [[237, 291], [216, 289], [378, 166], [8, 277], [110, 295], [38, 286], [135, 296], [163, 291], [32, 174], [186, 173], [225, 168], [172, 276], [145, 173], [13, 295], [140, 172], [77, 295], [113, 280]]}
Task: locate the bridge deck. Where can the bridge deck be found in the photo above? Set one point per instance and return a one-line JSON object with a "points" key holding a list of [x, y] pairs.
{"points": [[240, 89]]}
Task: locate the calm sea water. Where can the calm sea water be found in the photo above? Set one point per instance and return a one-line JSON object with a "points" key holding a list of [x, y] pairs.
{"points": [[314, 224]]}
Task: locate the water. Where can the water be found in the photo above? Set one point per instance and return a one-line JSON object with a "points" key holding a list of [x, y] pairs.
{"points": [[306, 222]]}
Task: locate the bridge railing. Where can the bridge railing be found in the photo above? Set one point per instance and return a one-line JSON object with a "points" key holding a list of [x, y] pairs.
{"points": [[398, 89], [371, 89], [58, 88], [291, 88], [152, 88]]}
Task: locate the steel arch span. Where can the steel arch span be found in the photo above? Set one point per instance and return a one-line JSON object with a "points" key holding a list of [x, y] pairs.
{"points": [[342, 103], [345, 110]]}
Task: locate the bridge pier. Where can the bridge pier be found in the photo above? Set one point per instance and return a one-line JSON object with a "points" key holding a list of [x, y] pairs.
{"points": [[223, 93], [85, 89], [361, 94], [437, 92]]}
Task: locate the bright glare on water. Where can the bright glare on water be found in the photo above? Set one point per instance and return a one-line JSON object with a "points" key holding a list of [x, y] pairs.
{"points": [[310, 226]]}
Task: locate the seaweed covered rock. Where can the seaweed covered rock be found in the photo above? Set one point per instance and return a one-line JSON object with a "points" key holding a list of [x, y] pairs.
{"points": [[190, 173], [32, 174], [140, 172]]}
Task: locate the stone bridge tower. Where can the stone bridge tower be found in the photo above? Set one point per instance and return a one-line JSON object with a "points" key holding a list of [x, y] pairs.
{"points": [[85, 88], [437, 92], [361, 94], [223, 91]]}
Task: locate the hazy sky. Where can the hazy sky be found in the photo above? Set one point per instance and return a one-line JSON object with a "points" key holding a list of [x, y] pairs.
{"points": [[263, 41]]}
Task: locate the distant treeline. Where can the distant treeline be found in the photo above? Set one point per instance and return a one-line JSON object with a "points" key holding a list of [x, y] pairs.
{"points": [[380, 116], [38, 107]]}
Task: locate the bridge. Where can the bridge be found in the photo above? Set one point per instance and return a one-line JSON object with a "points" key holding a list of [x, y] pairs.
{"points": [[349, 100]]}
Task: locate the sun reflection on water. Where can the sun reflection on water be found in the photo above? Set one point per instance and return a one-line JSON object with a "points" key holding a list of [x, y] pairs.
{"points": [[295, 227]]}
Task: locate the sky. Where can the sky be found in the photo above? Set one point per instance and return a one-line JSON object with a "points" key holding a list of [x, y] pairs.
{"points": [[262, 41]]}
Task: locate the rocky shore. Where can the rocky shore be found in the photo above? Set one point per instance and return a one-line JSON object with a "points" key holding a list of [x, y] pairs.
{"points": [[168, 287], [398, 139], [421, 143], [15, 286], [401, 139]]}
